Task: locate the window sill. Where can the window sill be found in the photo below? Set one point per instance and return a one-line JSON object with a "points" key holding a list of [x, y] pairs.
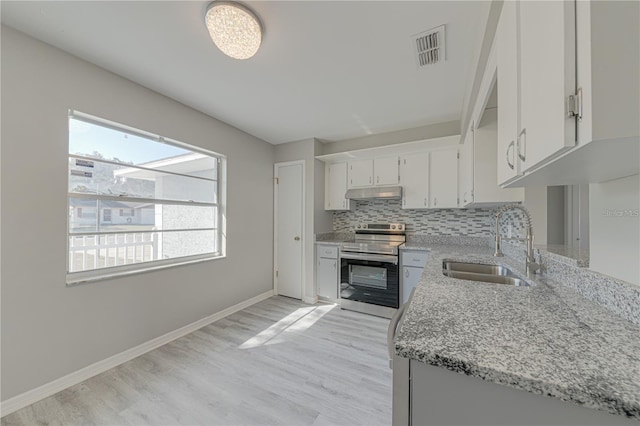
{"points": [[78, 278]]}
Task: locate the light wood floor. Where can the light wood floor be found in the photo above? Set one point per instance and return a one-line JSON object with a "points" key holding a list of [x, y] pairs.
{"points": [[279, 362]]}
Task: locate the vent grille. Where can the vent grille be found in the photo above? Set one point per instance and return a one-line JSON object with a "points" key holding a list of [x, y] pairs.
{"points": [[430, 46]]}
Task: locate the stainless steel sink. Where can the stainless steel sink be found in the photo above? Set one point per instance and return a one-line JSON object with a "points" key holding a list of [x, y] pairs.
{"points": [[481, 272]]}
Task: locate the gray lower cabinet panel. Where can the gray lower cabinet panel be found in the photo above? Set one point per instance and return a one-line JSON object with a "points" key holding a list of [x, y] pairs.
{"points": [[442, 397], [410, 279]]}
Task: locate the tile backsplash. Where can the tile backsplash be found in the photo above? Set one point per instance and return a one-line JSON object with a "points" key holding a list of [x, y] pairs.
{"points": [[470, 222]]}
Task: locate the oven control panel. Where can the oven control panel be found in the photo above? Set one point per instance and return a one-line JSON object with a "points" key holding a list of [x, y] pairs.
{"points": [[380, 226]]}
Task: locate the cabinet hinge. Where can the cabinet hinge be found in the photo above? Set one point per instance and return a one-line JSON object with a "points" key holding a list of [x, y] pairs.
{"points": [[574, 104], [458, 155]]}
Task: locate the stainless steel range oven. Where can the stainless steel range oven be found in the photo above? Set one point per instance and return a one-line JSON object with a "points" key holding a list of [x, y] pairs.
{"points": [[369, 276]]}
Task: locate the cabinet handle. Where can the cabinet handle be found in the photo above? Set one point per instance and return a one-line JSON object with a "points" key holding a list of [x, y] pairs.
{"points": [[335, 265], [435, 201], [416, 260], [522, 156], [425, 202], [343, 203], [406, 273], [511, 145], [464, 198], [377, 179], [369, 179]]}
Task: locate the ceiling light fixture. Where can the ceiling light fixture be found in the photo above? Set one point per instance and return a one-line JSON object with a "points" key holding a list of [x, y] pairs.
{"points": [[234, 28]]}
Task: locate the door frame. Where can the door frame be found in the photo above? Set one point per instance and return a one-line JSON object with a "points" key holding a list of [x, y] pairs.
{"points": [[303, 211]]}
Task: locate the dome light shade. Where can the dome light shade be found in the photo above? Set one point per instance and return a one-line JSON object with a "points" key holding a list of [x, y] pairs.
{"points": [[234, 29]]}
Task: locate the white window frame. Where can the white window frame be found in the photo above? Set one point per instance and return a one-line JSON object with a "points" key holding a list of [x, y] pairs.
{"points": [[75, 278]]}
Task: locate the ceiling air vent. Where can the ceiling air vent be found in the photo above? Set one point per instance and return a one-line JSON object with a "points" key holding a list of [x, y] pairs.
{"points": [[429, 46]]}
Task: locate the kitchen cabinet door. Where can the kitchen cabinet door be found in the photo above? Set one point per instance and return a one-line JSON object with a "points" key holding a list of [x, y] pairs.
{"points": [[508, 98], [466, 168], [335, 187], [443, 178], [360, 173], [547, 79], [327, 278], [414, 179], [386, 171]]}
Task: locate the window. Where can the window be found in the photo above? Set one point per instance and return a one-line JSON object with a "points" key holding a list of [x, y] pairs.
{"points": [[141, 201]]}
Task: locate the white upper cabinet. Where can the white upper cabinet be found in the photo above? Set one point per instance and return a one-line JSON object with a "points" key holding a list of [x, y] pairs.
{"points": [[506, 48], [443, 178], [547, 79], [335, 176], [485, 190], [414, 178], [360, 173], [386, 171], [465, 183], [568, 103], [375, 172]]}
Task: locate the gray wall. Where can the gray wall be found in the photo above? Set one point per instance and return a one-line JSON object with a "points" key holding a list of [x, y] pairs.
{"points": [[555, 215], [614, 228], [50, 330]]}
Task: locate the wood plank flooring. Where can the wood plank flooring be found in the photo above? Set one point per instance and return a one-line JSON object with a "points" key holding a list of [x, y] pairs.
{"points": [[279, 362]]}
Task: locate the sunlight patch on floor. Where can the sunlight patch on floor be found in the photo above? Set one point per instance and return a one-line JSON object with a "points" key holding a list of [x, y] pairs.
{"points": [[297, 321]]}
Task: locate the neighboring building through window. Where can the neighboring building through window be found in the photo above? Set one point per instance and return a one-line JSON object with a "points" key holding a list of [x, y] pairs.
{"points": [[165, 195]]}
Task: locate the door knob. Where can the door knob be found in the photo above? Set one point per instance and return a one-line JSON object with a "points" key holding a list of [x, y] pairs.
{"points": [[296, 238]]}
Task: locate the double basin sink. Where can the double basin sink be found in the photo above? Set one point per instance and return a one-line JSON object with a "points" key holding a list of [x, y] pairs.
{"points": [[495, 274]]}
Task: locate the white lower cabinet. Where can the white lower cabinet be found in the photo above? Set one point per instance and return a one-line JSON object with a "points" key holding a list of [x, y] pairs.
{"points": [[327, 271], [429, 395], [412, 265]]}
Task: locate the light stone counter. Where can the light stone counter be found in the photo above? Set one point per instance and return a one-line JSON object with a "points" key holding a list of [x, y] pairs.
{"points": [[546, 339]]}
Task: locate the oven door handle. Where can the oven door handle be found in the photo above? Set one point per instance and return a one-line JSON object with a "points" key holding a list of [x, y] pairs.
{"points": [[371, 257]]}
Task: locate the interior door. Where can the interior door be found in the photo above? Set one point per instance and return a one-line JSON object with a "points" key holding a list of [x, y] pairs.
{"points": [[289, 225]]}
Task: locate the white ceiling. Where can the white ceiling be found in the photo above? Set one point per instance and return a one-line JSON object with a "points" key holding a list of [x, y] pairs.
{"points": [[330, 70]]}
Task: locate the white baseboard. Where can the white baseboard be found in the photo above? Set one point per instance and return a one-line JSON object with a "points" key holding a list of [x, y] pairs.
{"points": [[310, 300], [57, 385]]}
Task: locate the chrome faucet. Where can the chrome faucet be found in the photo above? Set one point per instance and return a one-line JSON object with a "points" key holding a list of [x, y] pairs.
{"points": [[531, 265]]}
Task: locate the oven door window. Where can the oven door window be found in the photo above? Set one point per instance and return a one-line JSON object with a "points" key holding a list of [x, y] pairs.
{"points": [[368, 276], [369, 282]]}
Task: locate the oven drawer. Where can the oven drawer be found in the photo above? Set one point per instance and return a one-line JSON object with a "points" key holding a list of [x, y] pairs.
{"points": [[413, 258], [327, 251]]}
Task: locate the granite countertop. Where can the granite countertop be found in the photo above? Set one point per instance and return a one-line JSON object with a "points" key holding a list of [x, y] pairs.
{"points": [[545, 339]]}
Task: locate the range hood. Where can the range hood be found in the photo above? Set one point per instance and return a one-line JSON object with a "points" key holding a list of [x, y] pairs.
{"points": [[374, 192]]}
